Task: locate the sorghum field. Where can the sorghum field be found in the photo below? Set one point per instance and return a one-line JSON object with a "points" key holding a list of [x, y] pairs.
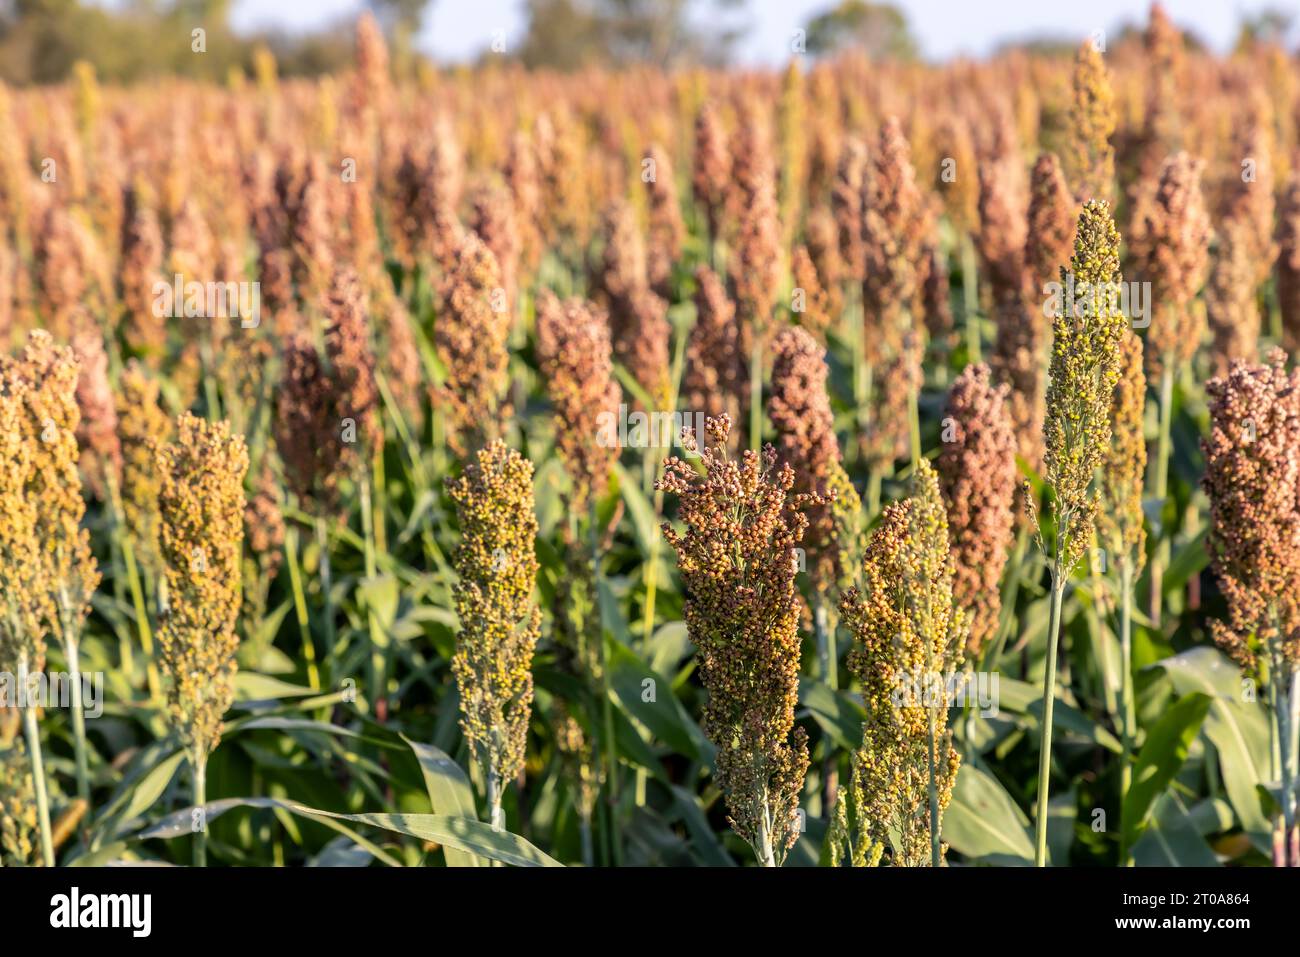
{"points": [[852, 464]]}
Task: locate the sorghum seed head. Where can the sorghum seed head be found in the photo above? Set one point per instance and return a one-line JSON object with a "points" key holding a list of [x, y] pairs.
{"points": [[201, 501]]}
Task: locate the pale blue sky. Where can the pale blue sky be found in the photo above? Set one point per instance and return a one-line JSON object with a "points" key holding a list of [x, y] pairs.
{"points": [[460, 29]]}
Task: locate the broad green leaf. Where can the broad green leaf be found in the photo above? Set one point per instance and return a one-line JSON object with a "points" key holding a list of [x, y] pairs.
{"points": [[381, 595], [644, 521], [982, 822], [1172, 839], [834, 711], [180, 823], [463, 833], [251, 686], [648, 697], [449, 793], [669, 645], [146, 793], [704, 841], [1161, 758], [280, 723], [1238, 731], [1022, 698]]}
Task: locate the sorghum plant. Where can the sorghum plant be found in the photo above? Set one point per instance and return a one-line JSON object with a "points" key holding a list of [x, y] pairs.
{"points": [[894, 226], [800, 410], [573, 350], [1171, 251], [1120, 526], [1090, 166], [1230, 302], [71, 574], [737, 560], [977, 473], [470, 336], [1087, 334], [909, 633], [27, 605], [717, 350], [499, 624], [1020, 347], [1252, 476], [711, 173], [575, 357], [201, 502]]}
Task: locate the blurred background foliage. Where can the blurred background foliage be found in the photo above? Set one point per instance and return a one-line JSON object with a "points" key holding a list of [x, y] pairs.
{"points": [[130, 40]]}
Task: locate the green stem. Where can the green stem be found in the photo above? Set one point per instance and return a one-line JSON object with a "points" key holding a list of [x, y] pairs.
{"points": [[141, 618], [1127, 705], [494, 799], [970, 299], [828, 666], [291, 552], [763, 846], [378, 642], [756, 392], [73, 655], [1049, 698], [933, 788], [652, 574], [327, 590], [1282, 699], [378, 526], [914, 425], [1161, 485], [607, 706], [588, 849], [874, 482], [33, 734], [200, 767]]}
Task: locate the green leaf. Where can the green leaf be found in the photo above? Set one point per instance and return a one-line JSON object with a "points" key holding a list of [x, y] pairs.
{"points": [[180, 823], [982, 822], [1238, 731], [664, 716], [380, 595], [1020, 697], [280, 723], [669, 645], [449, 794], [703, 840], [1161, 757], [463, 833], [644, 521], [251, 686], [834, 711], [146, 793], [1172, 839]]}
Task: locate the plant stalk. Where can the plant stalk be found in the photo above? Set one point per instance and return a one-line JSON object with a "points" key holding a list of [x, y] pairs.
{"points": [[1127, 706], [1161, 486], [1049, 698], [200, 766], [970, 299], [291, 550], [32, 732], [607, 706], [72, 652]]}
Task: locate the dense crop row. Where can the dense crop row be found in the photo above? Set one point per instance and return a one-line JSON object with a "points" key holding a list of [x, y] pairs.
{"points": [[856, 464]]}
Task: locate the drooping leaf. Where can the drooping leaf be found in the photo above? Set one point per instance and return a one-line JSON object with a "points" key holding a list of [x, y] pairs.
{"points": [[1161, 758]]}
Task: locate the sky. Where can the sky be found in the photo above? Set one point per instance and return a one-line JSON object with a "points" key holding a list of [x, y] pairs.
{"points": [[458, 30]]}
